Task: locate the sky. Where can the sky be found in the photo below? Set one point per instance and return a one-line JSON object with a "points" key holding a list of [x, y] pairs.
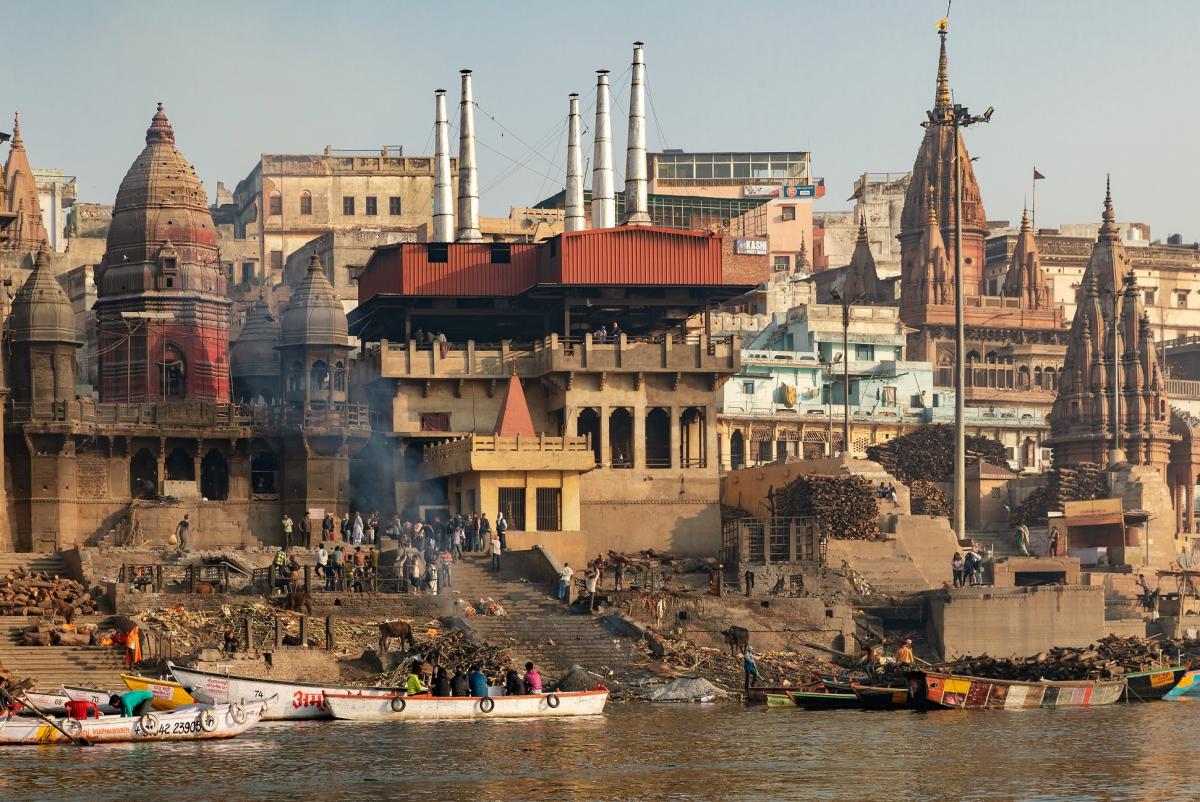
{"points": [[1080, 88]]}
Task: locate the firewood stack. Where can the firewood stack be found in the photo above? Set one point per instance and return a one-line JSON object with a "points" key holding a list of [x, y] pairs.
{"points": [[23, 592], [928, 499], [843, 506], [927, 453], [1079, 482]]}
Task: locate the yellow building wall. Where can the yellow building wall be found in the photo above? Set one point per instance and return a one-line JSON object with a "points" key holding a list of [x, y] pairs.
{"points": [[486, 487]]}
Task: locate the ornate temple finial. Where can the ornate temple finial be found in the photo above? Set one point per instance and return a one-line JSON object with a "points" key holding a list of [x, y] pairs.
{"points": [[160, 129], [1108, 229], [802, 257], [1093, 287], [1025, 219], [314, 264], [931, 207], [862, 228], [16, 137], [942, 101]]}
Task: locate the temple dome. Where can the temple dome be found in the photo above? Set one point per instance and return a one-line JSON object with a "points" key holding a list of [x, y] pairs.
{"points": [[315, 315], [41, 311], [253, 352]]}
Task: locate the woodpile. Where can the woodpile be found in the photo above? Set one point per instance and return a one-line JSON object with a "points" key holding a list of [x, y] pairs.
{"points": [[1080, 482], [843, 506], [718, 666], [24, 592], [47, 633], [927, 453], [928, 499], [450, 650], [1110, 657]]}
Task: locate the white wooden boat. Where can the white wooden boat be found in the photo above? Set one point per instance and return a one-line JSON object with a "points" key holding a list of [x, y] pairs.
{"points": [[396, 707], [297, 700], [97, 697], [53, 704], [189, 723]]}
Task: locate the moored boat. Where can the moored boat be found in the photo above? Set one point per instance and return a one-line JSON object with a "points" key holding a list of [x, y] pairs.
{"points": [[758, 695], [1148, 686], [54, 704], [872, 698], [981, 693], [1187, 689], [810, 700], [395, 707], [297, 700], [780, 700], [168, 695], [188, 723]]}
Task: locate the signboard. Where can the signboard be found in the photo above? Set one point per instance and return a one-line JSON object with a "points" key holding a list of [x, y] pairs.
{"points": [[798, 191], [760, 191], [750, 247]]}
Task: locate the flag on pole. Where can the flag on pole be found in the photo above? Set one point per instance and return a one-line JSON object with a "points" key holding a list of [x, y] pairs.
{"points": [[943, 24], [1036, 174]]}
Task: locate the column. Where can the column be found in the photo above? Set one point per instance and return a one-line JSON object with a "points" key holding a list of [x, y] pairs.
{"points": [[675, 438], [605, 445], [639, 438]]}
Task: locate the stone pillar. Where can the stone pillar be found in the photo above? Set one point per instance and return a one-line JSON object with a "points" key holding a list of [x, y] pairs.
{"points": [[675, 436], [605, 445], [638, 434]]}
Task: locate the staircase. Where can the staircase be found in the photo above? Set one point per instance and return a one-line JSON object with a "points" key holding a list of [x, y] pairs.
{"points": [[52, 666], [914, 557], [51, 563], [538, 627]]}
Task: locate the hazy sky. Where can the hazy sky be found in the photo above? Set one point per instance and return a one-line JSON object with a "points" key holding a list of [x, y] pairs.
{"points": [[1080, 88]]}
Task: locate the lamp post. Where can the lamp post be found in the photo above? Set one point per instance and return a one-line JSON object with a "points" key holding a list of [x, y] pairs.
{"points": [[845, 302], [958, 118], [828, 365]]}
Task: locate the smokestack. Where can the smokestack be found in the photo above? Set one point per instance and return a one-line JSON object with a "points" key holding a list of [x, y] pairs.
{"points": [[443, 195], [636, 203], [604, 203], [468, 173], [574, 217]]}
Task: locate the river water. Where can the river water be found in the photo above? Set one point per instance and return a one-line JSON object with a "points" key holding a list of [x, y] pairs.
{"points": [[640, 751]]}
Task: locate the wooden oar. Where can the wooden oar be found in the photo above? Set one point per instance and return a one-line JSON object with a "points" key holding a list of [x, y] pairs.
{"points": [[78, 741]]}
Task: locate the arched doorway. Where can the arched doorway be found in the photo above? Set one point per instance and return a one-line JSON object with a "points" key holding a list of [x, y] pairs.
{"points": [[620, 438], [737, 450], [180, 466], [692, 437], [214, 476], [587, 424], [143, 475], [658, 438]]}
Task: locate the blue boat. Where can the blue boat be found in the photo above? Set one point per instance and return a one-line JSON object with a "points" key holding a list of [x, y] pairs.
{"points": [[1186, 690]]}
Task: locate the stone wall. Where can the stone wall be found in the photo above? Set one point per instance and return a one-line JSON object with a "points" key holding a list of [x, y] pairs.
{"points": [[1014, 622]]}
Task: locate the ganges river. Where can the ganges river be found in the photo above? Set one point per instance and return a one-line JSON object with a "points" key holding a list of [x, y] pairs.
{"points": [[639, 751]]}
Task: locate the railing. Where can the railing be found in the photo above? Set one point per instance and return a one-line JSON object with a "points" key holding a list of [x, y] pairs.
{"points": [[1183, 388], [203, 414], [1178, 342], [778, 540], [475, 444]]}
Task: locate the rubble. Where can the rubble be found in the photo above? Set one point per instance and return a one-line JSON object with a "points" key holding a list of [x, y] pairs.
{"points": [[724, 669], [686, 689]]}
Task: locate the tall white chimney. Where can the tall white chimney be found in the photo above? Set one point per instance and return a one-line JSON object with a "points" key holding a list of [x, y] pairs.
{"points": [[468, 173], [574, 199], [604, 203], [636, 203], [443, 193]]}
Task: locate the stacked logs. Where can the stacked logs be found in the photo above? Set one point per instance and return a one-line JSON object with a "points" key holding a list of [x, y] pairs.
{"points": [[927, 453], [23, 592], [1109, 657], [928, 499], [1080, 482], [844, 506]]}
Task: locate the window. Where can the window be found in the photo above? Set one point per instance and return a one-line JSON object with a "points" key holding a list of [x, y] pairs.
{"points": [[438, 252], [1181, 300], [394, 206], [501, 253], [511, 501], [372, 206], [277, 260], [789, 213], [1149, 298], [306, 202], [747, 388], [549, 509], [276, 204], [348, 206], [783, 263], [863, 352], [889, 396], [247, 272]]}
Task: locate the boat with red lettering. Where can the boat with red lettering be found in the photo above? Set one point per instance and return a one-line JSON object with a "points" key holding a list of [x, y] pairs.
{"points": [[297, 700], [187, 723], [398, 707]]}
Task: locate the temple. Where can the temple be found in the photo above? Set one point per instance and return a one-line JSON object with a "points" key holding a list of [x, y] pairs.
{"points": [[20, 198]]}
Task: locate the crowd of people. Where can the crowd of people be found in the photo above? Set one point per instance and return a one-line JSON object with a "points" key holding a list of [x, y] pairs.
{"points": [[425, 678]]}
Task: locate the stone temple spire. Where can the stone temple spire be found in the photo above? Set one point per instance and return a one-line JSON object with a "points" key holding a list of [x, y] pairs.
{"points": [[943, 102], [27, 232], [1025, 279], [1108, 228], [862, 276]]}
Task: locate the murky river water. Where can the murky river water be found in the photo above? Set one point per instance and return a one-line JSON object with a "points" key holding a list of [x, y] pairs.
{"points": [[651, 752]]}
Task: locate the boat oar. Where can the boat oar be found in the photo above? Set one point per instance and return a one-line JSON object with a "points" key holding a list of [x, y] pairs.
{"points": [[77, 740]]}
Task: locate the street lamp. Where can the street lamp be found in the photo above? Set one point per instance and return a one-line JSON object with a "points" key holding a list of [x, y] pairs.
{"points": [[959, 118], [828, 365], [845, 302]]}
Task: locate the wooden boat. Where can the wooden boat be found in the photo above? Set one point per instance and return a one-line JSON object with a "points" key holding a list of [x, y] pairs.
{"points": [[298, 700], [979, 693], [394, 707], [780, 700], [1148, 686], [818, 700], [188, 723], [97, 697], [1187, 689], [52, 704], [758, 695], [872, 698], [168, 695]]}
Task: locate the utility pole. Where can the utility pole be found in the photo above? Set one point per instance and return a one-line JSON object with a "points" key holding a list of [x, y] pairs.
{"points": [[845, 301]]}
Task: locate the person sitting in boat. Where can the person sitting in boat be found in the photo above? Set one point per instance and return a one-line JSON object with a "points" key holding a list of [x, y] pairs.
{"points": [[479, 683], [459, 684], [513, 684], [870, 661], [441, 685], [132, 703], [533, 680], [414, 685], [904, 655]]}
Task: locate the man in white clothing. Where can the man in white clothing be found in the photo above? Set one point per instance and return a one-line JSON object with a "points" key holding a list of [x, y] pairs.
{"points": [[564, 582]]}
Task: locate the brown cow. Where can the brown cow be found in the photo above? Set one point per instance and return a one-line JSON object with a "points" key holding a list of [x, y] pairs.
{"points": [[298, 600], [62, 608], [204, 588], [395, 629]]}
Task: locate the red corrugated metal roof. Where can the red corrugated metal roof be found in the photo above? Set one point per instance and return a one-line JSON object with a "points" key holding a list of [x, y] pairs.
{"points": [[641, 255], [470, 269]]}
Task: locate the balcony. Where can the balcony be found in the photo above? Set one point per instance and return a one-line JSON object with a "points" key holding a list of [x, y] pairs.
{"points": [[495, 453], [202, 415]]}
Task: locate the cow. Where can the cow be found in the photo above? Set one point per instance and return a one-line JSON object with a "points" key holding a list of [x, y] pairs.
{"points": [[395, 629], [737, 638], [62, 608], [204, 588], [298, 600]]}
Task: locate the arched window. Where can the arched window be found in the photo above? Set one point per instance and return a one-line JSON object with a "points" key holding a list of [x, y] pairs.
{"points": [[1023, 377], [180, 466], [306, 202], [214, 476], [276, 204], [143, 475], [320, 376], [339, 377], [174, 372], [737, 450], [295, 377], [264, 473], [1037, 378], [1050, 379]]}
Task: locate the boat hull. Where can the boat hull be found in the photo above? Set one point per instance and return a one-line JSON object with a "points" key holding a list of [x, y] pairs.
{"points": [[978, 693], [355, 707], [871, 698], [168, 695], [192, 723], [1149, 686], [757, 695], [824, 701], [297, 700], [1187, 689]]}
